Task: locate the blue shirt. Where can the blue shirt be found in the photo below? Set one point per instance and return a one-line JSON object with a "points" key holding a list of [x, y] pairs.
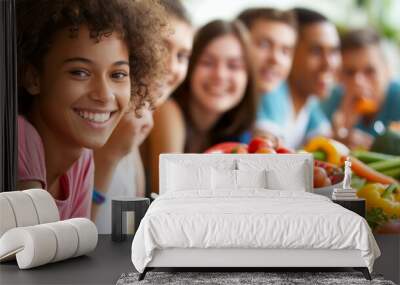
{"points": [[389, 111], [276, 115]]}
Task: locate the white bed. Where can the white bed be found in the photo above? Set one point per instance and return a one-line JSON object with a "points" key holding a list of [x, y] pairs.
{"points": [[195, 223]]}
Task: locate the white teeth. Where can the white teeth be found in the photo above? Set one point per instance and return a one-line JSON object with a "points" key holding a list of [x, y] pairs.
{"points": [[94, 117]]}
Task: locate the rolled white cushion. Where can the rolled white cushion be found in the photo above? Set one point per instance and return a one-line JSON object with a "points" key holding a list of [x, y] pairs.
{"points": [[67, 239], [33, 246], [7, 218], [40, 244], [23, 208], [45, 205], [87, 235]]}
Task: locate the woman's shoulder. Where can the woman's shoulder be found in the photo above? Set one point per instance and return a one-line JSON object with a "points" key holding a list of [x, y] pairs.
{"points": [[29, 140], [170, 111], [170, 105], [169, 129], [31, 156]]}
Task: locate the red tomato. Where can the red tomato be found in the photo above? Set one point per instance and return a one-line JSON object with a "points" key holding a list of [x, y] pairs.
{"points": [[240, 149], [226, 147], [265, 150], [320, 177], [259, 142], [282, 149]]}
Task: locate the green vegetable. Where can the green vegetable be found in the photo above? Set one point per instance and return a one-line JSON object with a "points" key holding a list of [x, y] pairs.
{"points": [[376, 217], [386, 165], [319, 155], [357, 182], [370, 156], [395, 173], [389, 191]]}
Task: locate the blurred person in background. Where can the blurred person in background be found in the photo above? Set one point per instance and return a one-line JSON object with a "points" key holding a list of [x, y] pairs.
{"points": [[179, 45], [292, 112], [368, 100], [119, 167], [216, 102], [273, 34]]}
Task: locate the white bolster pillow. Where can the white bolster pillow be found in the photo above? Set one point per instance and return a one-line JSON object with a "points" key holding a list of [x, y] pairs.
{"points": [[87, 235], [45, 205], [33, 246], [23, 208], [26, 208], [66, 238], [7, 218], [40, 244]]}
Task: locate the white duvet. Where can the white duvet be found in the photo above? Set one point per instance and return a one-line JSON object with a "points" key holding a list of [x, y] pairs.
{"points": [[254, 218]]}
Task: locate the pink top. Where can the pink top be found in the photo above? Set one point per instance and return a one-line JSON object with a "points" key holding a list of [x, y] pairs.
{"points": [[76, 184]]}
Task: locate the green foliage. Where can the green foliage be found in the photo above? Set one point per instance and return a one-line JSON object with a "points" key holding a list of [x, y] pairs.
{"points": [[377, 11]]}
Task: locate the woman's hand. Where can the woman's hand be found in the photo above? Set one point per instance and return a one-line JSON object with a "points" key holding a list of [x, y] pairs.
{"points": [[130, 132]]}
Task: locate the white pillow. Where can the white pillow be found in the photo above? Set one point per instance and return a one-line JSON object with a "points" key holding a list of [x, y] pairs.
{"points": [[223, 179], [182, 177], [286, 172], [251, 178], [279, 180]]}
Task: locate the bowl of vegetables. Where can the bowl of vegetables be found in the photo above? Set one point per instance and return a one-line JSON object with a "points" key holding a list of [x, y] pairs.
{"points": [[327, 177]]}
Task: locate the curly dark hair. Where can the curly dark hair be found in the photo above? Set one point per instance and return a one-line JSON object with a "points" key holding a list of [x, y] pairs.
{"points": [[140, 22]]}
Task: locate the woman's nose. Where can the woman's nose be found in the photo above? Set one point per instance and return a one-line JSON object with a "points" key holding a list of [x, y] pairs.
{"points": [[219, 71], [101, 91]]}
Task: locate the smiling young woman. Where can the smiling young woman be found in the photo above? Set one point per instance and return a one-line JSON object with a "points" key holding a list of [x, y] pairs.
{"points": [[216, 101], [80, 64]]}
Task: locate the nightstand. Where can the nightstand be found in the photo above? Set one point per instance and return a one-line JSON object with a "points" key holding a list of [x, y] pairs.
{"points": [[121, 205], [356, 205]]}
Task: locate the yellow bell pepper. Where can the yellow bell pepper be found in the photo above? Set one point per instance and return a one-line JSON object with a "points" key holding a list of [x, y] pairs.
{"points": [[334, 150], [379, 196], [397, 194]]}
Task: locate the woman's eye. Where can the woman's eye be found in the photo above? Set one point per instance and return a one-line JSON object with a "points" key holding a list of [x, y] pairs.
{"points": [[206, 62], [119, 75], [235, 65], [264, 44], [79, 73], [182, 56]]}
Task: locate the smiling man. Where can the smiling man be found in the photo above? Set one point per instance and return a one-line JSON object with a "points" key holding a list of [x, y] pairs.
{"points": [[292, 111], [273, 34]]}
